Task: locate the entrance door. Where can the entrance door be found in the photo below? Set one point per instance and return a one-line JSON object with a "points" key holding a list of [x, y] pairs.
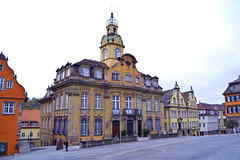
{"points": [[115, 128], [139, 128], [129, 127]]}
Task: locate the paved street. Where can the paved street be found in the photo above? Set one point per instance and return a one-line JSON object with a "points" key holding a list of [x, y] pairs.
{"points": [[205, 147]]}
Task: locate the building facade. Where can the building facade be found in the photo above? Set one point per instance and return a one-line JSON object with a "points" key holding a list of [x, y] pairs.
{"points": [[232, 100], [181, 112], [30, 127], [12, 96], [208, 119], [222, 117], [92, 100]]}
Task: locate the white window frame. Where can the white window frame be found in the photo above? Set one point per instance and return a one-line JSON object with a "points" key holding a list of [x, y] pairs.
{"points": [[149, 106], [128, 78], [139, 103], [147, 81], [9, 85], [84, 126], [98, 74], [34, 124], [84, 100], [98, 127], [2, 84], [98, 101], [85, 72], [8, 107], [115, 76], [58, 77], [129, 103], [24, 124], [116, 103], [49, 107], [23, 135], [155, 83]]}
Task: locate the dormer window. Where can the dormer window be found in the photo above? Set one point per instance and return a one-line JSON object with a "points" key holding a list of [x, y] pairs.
{"points": [[104, 53], [58, 77], [34, 124], [98, 74], [24, 124], [63, 74], [85, 72], [148, 82], [155, 83], [232, 88], [68, 72]]}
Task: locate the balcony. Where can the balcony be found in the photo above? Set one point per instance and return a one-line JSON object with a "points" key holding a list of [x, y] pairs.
{"points": [[116, 111], [132, 112]]}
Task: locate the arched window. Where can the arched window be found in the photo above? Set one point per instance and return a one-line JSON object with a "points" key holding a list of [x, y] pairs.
{"points": [[117, 52], [104, 53]]}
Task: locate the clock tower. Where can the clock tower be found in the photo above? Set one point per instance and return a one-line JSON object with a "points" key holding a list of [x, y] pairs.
{"points": [[111, 43]]}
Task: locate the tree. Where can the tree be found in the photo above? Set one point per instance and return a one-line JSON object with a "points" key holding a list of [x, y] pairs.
{"points": [[231, 123]]}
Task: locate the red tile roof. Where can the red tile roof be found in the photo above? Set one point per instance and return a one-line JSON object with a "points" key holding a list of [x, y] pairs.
{"points": [[185, 96], [205, 106], [167, 96], [31, 115]]}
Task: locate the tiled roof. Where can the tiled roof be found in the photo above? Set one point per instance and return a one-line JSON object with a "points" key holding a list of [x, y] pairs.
{"points": [[236, 87], [167, 96], [185, 96], [222, 107], [92, 63], [31, 115], [205, 106]]}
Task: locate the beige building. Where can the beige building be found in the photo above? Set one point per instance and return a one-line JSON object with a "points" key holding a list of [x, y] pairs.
{"points": [[97, 100]]}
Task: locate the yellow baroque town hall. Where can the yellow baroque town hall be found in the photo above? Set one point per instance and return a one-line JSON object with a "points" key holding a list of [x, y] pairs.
{"points": [[93, 100]]}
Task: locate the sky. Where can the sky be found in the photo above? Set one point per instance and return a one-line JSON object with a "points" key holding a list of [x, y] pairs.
{"points": [[193, 42]]}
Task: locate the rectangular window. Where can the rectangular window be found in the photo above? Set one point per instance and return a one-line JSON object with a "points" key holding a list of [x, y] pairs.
{"points": [[233, 98], [185, 124], [174, 100], [128, 78], [179, 114], [238, 98], [137, 79], [58, 77], [165, 115], [129, 103], [156, 105], [175, 112], [165, 126], [24, 124], [98, 74], [34, 124], [175, 125], [178, 101], [149, 125], [203, 124], [238, 108], [139, 103], [234, 109], [42, 123], [172, 125], [85, 72], [61, 101], [98, 101], [8, 107], [68, 72], [43, 109], [84, 100], [45, 123], [181, 101], [1, 84], [48, 123], [116, 76], [83, 126], [155, 83], [23, 134], [228, 99], [98, 126], [49, 107], [56, 102], [115, 102], [172, 115], [1, 67], [63, 74], [229, 110], [9, 84], [157, 124], [66, 101], [149, 107]]}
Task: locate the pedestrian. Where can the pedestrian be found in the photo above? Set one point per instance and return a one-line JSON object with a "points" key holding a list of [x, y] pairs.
{"points": [[66, 143]]}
